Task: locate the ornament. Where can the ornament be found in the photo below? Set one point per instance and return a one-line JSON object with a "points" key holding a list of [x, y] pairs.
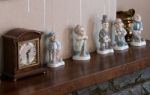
{"points": [[120, 33], [104, 38], [136, 29], [79, 44]]}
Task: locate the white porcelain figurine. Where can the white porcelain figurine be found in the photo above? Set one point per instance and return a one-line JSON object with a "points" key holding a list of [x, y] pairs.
{"points": [[104, 38], [120, 33], [54, 49], [137, 28], [79, 44]]}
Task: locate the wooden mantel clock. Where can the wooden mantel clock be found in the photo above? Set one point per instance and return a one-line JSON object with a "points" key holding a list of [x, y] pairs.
{"points": [[22, 53]]}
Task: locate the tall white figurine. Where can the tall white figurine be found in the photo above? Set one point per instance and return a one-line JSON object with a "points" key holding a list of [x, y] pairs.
{"points": [[54, 50], [79, 44], [104, 38], [120, 33], [137, 28]]}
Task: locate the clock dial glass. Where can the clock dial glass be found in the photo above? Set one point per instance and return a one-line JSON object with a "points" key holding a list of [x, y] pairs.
{"points": [[28, 55]]}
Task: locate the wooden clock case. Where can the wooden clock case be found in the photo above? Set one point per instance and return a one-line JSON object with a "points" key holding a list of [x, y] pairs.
{"points": [[10, 53]]}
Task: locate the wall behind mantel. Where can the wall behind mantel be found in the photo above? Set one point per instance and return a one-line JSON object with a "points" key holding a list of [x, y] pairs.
{"points": [[14, 14]]}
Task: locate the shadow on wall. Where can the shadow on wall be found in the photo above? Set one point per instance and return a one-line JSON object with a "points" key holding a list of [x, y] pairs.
{"points": [[96, 28], [68, 34], [90, 31]]}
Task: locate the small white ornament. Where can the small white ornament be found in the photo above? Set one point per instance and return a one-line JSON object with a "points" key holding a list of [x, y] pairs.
{"points": [[104, 38], [79, 44], [120, 33], [54, 48], [137, 28]]}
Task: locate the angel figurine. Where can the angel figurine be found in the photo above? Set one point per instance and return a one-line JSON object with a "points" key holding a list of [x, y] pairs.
{"points": [[104, 38], [79, 44], [54, 48], [120, 33], [136, 29]]}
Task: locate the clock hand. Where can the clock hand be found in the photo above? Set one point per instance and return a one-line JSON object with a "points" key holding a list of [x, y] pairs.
{"points": [[27, 54]]}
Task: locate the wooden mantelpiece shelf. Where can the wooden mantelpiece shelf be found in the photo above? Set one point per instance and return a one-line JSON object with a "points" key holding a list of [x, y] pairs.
{"points": [[79, 74]]}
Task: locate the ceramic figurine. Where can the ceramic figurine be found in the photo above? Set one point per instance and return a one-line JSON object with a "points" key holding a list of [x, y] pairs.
{"points": [[104, 38], [79, 44], [137, 28], [53, 51], [120, 33]]}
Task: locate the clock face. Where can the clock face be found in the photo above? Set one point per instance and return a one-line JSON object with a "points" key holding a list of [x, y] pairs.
{"points": [[28, 53]]}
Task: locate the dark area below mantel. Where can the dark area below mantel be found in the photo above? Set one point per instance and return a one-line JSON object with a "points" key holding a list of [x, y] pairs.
{"points": [[76, 75]]}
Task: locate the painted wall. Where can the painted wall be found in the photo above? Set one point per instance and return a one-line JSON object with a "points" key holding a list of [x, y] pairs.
{"points": [[59, 15], [141, 7]]}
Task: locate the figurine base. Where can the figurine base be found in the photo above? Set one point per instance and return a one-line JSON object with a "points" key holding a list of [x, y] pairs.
{"points": [[142, 43], [56, 64], [121, 48], [77, 57], [105, 51]]}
